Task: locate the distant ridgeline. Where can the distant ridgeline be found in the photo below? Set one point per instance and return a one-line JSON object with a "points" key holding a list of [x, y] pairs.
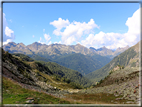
{"points": [[76, 57]]}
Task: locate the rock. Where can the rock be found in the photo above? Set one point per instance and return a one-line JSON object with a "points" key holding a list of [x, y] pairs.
{"points": [[29, 101], [129, 102], [116, 95], [30, 98], [7, 90], [117, 99], [133, 98]]}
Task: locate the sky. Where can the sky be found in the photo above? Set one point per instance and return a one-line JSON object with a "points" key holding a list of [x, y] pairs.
{"points": [[112, 25]]}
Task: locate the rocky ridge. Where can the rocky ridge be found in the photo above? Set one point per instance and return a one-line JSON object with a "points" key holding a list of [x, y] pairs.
{"points": [[123, 83]]}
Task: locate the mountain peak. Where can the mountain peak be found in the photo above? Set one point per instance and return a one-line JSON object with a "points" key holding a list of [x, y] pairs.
{"points": [[37, 43], [11, 44], [78, 44], [21, 44], [104, 47], [123, 48], [92, 48]]}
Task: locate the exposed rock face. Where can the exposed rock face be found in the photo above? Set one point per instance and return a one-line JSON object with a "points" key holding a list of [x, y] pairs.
{"points": [[53, 49], [108, 52], [60, 49]]}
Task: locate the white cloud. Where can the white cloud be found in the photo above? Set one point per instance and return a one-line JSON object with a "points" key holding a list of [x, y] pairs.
{"points": [[116, 40], [57, 42], [60, 23], [69, 40], [8, 32], [47, 37], [133, 23], [49, 43], [73, 31], [33, 36], [43, 30], [41, 41], [7, 41]]}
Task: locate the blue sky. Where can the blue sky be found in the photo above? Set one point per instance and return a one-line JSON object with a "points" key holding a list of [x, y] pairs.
{"points": [[91, 24]]}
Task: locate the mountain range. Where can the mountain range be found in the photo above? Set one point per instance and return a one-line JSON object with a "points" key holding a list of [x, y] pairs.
{"points": [[108, 52], [54, 50], [76, 57]]}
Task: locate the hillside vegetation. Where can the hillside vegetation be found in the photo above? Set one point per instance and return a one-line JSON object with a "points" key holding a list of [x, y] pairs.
{"points": [[26, 70], [82, 63], [67, 74], [128, 58]]}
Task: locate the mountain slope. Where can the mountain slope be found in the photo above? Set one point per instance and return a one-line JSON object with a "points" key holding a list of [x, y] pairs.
{"points": [[82, 63], [128, 58], [67, 73], [24, 69]]}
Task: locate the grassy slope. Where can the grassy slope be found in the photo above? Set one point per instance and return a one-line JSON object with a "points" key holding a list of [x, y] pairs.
{"points": [[60, 77], [67, 73], [15, 94]]}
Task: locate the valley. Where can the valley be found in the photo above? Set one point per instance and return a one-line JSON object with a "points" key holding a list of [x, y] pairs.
{"points": [[71, 53], [31, 78]]}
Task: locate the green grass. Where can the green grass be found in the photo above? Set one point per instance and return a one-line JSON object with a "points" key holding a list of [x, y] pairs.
{"points": [[97, 98], [15, 94]]}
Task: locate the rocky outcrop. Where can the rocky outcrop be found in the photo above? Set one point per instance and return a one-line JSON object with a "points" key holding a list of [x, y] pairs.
{"points": [[25, 76]]}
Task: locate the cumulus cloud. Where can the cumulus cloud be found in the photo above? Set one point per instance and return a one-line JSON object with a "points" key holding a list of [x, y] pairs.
{"points": [[33, 36], [72, 31], [116, 40], [8, 34], [47, 37], [41, 41], [7, 41], [59, 24]]}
